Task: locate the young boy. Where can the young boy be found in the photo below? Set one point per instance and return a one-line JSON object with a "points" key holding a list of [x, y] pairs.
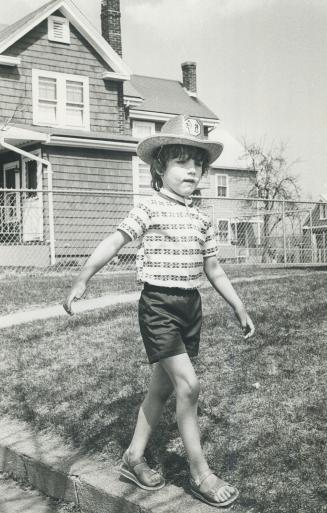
{"points": [[178, 244]]}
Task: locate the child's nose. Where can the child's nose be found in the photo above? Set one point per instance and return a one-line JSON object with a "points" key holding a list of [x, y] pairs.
{"points": [[191, 168]]}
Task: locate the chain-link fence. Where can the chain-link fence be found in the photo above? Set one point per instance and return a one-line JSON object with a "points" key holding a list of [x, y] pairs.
{"points": [[58, 230]]}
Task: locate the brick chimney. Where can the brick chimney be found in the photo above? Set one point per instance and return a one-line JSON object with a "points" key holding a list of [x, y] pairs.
{"points": [[110, 24], [189, 77]]}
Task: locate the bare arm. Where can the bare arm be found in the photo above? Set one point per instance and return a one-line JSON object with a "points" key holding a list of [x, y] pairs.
{"points": [[221, 283], [102, 254]]}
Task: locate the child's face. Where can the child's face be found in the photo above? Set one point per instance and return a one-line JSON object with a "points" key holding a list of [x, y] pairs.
{"points": [[182, 175]]}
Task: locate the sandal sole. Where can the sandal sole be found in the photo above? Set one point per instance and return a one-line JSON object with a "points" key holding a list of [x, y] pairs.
{"points": [[202, 498], [132, 477]]}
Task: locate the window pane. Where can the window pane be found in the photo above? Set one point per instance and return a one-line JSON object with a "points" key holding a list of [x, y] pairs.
{"points": [[143, 128], [74, 92], [31, 177], [47, 88], [223, 231], [144, 178], [74, 116], [47, 112], [222, 191], [11, 179]]}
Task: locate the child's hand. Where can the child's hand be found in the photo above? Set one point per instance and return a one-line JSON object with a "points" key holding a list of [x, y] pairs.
{"points": [[245, 322], [76, 292], [248, 329]]}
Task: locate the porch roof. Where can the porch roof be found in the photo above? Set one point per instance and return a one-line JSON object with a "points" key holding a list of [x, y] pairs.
{"points": [[17, 136]]}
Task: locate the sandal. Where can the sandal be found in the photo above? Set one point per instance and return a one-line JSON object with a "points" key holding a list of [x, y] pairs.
{"points": [[209, 497], [141, 474]]}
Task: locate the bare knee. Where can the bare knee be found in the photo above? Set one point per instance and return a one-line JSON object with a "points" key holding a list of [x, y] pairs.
{"points": [[161, 393], [188, 389]]}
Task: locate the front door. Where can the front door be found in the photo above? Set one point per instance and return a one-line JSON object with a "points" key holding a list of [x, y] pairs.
{"points": [[32, 203]]}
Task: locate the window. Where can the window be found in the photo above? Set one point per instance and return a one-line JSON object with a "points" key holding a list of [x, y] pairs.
{"points": [[222, 186], [143, 129], [58, 29], [31, 178], [323, 211], [60, 100], [141, 179], [223, 230], [10, 211]]}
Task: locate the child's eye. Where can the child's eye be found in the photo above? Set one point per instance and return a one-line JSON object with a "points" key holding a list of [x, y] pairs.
{"points": [[198, 163]]}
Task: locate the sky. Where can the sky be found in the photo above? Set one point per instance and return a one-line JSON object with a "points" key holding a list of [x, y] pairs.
{"points": [[261, 66]]}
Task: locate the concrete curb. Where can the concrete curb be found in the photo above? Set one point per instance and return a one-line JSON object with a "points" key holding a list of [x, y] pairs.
{"points": [[62, 472]]}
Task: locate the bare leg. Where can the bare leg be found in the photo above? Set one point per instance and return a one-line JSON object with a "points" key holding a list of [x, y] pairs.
{"points": [[186, 384], [160, 389]]}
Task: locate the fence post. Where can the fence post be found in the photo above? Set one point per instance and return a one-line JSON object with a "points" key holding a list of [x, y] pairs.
{"points": [[311, 237], [284, 233], [51, 216]]}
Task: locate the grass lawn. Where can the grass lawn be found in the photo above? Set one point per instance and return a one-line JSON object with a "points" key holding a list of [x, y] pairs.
{"points": [[21, 290], [263, 402]]}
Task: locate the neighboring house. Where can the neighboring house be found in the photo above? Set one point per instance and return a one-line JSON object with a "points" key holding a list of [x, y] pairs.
{"points": [[315, 232], [71, 114]]}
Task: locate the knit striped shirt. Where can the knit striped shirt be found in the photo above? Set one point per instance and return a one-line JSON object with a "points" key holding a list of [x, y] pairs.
{"points": [[175, 239]]}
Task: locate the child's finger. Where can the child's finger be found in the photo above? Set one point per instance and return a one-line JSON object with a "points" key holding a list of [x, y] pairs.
{"points": [[67, 308], [249, 330]]}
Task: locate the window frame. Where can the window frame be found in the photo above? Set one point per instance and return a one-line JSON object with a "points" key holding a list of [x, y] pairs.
{"points": [[223, 175], [220, 241], [61, 100], [8, 217]]}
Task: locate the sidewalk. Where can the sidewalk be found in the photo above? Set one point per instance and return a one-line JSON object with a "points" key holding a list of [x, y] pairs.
{"points": [[19, 499], [47, 312]]}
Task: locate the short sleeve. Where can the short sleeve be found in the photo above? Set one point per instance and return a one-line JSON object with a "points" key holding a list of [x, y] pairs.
{"points": [[210, 247], [137, 221]]}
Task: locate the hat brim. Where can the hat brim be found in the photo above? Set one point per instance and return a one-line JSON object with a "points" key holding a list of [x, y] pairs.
{"points": [[147, 147]]}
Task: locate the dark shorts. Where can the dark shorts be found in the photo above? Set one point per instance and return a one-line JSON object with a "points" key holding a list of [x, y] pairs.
{"points": [[170, 321]]}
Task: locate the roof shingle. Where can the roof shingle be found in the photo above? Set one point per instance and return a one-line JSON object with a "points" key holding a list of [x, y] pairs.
{"points": [[166, 96]]}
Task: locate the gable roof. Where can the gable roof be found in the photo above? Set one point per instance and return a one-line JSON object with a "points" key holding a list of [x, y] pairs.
{"points": [[12, 33], [233, 155], [165, 96]]}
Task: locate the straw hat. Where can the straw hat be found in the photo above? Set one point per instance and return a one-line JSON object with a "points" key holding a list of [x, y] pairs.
{"points": [[179, 130]]}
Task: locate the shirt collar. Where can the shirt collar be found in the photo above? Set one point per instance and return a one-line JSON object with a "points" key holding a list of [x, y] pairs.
{"points": [[187, 201]]}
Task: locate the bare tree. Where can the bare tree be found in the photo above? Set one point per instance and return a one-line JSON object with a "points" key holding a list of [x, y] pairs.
{"points": [[272, 180]]}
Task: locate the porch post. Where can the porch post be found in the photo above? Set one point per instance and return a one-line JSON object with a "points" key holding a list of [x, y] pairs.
{"points": [[51, 216]]}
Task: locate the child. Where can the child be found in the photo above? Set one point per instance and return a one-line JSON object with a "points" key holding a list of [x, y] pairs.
{"points": [[178, 243]]}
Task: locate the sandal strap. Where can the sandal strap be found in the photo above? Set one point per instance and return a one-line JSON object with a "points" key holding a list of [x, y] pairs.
{"points": [[203, 477], [142, 466]]}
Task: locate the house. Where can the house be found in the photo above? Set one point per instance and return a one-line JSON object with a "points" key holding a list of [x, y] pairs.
{"points": [[315, 233], [71, 114]]}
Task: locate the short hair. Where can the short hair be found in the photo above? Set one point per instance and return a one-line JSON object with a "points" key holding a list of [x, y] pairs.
{"points": [[173, 151]]}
